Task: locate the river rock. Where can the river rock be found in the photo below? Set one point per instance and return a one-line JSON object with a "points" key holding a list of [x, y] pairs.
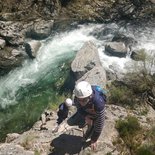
{"points": [[153, 1], [12, 32], [117, 49], [2, 43], [32, 47], [86, 59], [16, 53], [128, 41], [39, 29]]}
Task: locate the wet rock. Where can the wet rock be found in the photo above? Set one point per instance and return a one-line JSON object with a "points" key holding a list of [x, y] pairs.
{"points": [[16, 53], [117, 49], [32, 48], [2, 43], [128, 41]]}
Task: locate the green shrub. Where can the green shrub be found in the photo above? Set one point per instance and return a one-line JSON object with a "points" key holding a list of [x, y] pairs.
{"points": [[145, 150], [139, 76], [129, 132], [129, 126], [151, 137], [121, 95], [37, 152]]}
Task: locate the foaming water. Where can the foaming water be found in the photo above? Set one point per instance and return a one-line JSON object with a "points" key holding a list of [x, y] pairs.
{"points": [[65, 45], [29, 88]]}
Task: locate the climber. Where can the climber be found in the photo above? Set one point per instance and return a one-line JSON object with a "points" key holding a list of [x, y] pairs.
{"points": [[62, 113], [90, 102]]}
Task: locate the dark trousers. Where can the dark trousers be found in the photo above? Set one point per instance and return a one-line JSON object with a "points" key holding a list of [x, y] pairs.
{"points": [[76, 119]]}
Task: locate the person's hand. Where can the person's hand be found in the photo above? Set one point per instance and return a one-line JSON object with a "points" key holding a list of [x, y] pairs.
{"points": [[55, 129], [88, 120], [94, 145]]}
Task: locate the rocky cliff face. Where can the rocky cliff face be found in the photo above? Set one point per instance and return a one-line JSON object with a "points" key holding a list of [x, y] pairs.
{"points": [[68, 140], [108, 10]]}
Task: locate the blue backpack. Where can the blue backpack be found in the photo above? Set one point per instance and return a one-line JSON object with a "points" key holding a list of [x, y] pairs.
{"points": [[100, 90]]}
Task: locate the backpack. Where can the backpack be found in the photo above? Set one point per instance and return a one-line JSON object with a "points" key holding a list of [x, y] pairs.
{"points": [[101, 91]]}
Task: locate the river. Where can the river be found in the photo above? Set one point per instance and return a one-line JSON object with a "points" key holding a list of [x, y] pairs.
{"points": [[26, 91]]}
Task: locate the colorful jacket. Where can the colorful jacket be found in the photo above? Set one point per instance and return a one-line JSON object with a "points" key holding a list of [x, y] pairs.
{"points": [[95, 109]]}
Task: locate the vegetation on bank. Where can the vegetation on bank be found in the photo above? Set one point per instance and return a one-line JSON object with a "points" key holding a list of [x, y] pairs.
{"points": [[133, 93], [133, 138], [137, 84]]}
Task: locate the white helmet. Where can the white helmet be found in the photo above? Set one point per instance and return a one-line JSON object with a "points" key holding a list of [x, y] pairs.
{"points": [[68, 102], [83, 89]]}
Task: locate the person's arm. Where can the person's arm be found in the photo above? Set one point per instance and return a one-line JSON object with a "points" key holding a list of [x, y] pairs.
{"points": [[99, 121], [62, 113]]}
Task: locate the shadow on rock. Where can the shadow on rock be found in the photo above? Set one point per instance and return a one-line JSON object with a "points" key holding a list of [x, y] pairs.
{"points": [[67, 144]]}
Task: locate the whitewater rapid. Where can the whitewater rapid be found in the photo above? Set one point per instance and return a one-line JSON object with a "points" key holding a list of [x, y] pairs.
{"points": [[65, 45]]}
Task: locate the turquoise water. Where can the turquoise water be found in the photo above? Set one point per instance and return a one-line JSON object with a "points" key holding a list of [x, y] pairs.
{"points": [[26, 91], [31, 102]]}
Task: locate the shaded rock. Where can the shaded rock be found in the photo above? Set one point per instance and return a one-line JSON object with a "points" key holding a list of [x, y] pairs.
{"points": [[15, 32], [40, 29], [99, 10], [29, 10], [16, 53], [117, 49], [86, 59], [32, 48], [2, 43], [153, 91], [153, 1], [12, 32], [96, 76], [138, 55], [9, 59], [128, 41]]}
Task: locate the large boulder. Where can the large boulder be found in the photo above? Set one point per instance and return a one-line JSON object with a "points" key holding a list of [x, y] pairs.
{"points": [[9, 59], [14, 33], [96, 76], [117, 49], [39, 29], [86, 59], [128, 41]]}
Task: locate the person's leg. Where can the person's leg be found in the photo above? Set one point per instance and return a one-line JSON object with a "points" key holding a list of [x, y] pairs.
{"points": [[76, 119]]}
